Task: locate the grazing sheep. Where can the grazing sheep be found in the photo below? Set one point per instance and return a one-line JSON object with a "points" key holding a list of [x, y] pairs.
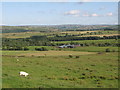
{"points": [[22, 73], [17, 59]]}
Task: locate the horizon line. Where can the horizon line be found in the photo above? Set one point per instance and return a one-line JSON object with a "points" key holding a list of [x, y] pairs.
{"points": [[52, 24]]}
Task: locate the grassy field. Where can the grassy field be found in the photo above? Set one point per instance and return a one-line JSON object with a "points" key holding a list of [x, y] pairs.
{"points": [[21, 35], [82, 49], [80, 67], [96, 70], [92, 32], [92, 49], [45, 53], [51, 34], [100, 35], [89, 41]]}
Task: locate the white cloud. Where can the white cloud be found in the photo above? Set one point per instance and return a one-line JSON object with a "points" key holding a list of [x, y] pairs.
{"points": [[109, 14], [73, 12], [90, 15], [94, 15], [78, 13]]}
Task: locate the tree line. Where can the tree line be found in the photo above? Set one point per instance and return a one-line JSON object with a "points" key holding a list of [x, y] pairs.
{"points": [[22, 44]]}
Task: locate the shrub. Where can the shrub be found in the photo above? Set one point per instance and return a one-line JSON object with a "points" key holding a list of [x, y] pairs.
{"points": [[25, 48], [65, 78], [73, 78], [5, 74], [70, 56], [77, 57], [107, 50], [41, 49], [113, 50]]}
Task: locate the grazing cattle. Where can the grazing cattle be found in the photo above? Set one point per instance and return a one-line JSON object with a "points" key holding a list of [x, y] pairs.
{"points": [[23, 74]]}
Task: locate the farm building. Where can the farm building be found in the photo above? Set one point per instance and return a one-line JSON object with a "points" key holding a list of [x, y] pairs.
{"points": [[68, 46]]}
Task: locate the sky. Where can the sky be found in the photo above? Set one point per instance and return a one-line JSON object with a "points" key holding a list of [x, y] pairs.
{"points": [[52, 13]]}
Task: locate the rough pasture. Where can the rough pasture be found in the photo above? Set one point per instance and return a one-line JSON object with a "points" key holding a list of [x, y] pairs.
{"points": [[100, 35], [77, 32], [87, 71], [56, 53], [20, 35]]}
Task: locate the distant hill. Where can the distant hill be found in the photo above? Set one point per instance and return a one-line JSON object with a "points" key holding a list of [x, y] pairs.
{"points": [[49, 28]]}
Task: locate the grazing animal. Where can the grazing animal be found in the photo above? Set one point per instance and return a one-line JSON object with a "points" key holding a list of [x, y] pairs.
{"points": [[22, 73], [17, 59]]}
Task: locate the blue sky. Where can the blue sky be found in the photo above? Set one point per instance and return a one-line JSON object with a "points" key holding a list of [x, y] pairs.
{"points": [[23, 13]]}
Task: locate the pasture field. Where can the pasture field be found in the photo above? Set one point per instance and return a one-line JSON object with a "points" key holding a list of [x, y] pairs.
{"points": [[94, 64], [92, 32], [44, 53], [55, 48], [82, 49], [51, 34], [92, 49], [100, 35], [21, 35], [89, 41], [94, 70]]}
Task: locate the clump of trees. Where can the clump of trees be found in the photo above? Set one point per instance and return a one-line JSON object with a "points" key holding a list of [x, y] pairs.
{"points": [[108, 50], [23, 43]]}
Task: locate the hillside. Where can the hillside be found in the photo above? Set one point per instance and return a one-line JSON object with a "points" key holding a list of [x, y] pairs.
{"points": [[49, 28]]}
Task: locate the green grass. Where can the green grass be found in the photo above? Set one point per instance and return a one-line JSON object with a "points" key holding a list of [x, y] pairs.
{"points": [[86, 49], [53, 48], [47, 47], [44, 53], [61, 33], [21, 35], [55, 68], [87, 71], [92, 49], [89, 41]]}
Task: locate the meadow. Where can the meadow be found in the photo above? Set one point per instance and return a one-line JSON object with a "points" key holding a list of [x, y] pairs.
{"points": [[56, 69], [95, 70], [88, 41], [51, 34], [87, 66]]}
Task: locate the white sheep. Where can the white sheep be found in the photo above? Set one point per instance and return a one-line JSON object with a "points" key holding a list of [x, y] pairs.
{"points": [[22, 73], [17, 59]]}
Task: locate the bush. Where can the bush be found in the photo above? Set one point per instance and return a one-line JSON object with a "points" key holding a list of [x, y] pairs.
{"points": [[77, 57], [41, 49], [70, 56], [107, 50], [113, 51], [25, 49]]}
